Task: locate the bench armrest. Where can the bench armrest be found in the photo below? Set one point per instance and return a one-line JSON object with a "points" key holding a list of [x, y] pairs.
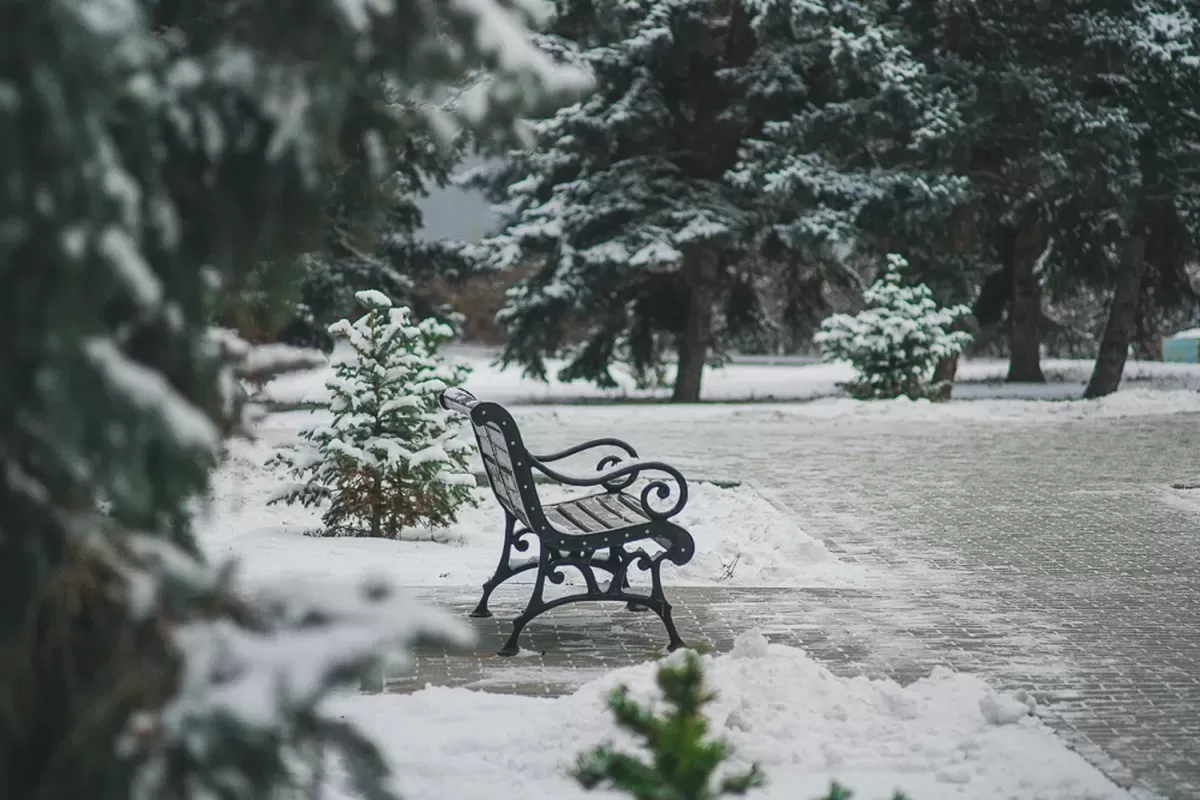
{"points": [[629, 472], [604, 463], [579, 448]]}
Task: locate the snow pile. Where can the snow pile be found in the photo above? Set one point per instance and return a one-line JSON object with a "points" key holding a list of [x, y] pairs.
{"points": [[741, 539], [1128, 403], [945, 736]]}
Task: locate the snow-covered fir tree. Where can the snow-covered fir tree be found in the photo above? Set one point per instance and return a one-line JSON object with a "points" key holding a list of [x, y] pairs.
{"points": [[898, 338], [152, 154], [624, 209], [867, 156], [390, 458]]}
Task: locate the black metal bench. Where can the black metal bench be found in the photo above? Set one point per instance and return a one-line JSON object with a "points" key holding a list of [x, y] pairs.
{"points": [[588, 533]]}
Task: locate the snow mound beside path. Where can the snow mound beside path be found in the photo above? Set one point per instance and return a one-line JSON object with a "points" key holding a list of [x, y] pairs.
{"points": [[945, 736]]}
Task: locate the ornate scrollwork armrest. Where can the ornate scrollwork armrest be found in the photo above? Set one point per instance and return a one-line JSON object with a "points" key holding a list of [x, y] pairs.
{"points": [[623, 475], [607, 461]]}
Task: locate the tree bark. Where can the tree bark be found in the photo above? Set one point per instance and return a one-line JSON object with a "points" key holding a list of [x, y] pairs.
{"points": [[1122, 317], [1121, 325], [943, 377], [1025, 335], [696, 338]]}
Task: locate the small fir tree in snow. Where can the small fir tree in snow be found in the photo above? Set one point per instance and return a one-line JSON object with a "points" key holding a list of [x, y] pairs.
{"points": [[897, 340], [683, 760], [390, 458]]}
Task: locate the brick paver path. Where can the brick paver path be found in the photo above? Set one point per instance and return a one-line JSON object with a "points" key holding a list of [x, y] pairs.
{"points": [[1052, 556]]}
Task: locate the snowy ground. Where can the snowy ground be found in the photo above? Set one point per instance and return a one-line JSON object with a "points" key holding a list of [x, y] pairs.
{"points": [[742, 540], [946, 736], [981, 393]]}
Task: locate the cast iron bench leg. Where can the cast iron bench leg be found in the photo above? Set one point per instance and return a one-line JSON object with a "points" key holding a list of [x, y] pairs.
{"points": [[503, 570], [535, 606]]}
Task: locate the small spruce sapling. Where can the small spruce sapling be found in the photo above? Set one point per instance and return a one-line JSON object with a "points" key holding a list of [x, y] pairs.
{"points": [[839, 792], [683, 760], [896, 341], [390, 458]]}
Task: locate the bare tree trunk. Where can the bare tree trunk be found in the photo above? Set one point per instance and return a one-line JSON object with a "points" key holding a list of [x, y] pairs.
{"points": [[1122, 317], [696, 339], [1121, 325], [1025, 335], [943, 377]]}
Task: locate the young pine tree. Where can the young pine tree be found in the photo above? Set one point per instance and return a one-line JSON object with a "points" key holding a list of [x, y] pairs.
{"points": [[897, 340], [683, 760], [390, 459]]}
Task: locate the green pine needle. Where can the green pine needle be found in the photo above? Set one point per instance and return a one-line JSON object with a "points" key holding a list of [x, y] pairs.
{"points": [[683, 760]]}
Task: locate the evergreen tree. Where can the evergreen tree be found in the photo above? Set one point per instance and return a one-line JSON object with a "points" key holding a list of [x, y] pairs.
{"points": [[1154, 62], [370, 220], [683, 760], [363, 234], [864, 165], [148, 157], [1050, 148], [390, 458], [897, 340], [624, 209]]}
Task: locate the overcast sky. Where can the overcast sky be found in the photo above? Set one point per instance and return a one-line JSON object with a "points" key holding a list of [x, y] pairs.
{"points": [[453, 213]]}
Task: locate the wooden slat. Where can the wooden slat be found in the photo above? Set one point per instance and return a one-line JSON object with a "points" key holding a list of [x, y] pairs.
{"points": [[556, 519], [594, 507], [613, 504], [581, 520], [634, 505]]}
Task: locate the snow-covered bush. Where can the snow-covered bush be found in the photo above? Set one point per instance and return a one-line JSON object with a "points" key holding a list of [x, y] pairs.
{"points": [[390, 458], [896, 341]]}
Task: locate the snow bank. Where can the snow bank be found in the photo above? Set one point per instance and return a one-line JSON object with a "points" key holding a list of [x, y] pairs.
{"points": [[1126, 403], [945, 736], [741, 539], [792, 379]]}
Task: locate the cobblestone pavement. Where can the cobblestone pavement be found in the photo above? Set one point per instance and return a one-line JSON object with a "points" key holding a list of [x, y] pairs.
{"points": [[1053, 556]]}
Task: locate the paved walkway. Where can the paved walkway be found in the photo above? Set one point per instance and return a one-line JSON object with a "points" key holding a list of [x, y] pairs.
{"points": [[1049, 556]]}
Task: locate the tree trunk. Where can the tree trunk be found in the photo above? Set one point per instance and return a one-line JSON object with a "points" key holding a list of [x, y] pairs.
{"points": [[696, 339], [377, 507], [1119, 328], [943, 377], [1121, 325], [1025, 335]]}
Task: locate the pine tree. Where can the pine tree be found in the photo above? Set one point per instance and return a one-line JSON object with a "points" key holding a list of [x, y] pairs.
{"points": [[1049, 147], [367, 234], [897, 340], [390, 458], [865, 164], [1154, 58], [683, 760], [149, 156], [624, 209]]}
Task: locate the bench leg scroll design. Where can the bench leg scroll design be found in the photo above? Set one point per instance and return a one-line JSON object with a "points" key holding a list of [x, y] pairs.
{"points": [[617, 564], [513, 540]]}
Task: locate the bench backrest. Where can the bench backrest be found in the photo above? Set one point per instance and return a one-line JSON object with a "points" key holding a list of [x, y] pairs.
{"points": [[504, 458]]}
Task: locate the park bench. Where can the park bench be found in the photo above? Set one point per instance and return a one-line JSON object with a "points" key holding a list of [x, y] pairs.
{"points": [[589, 534]]}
